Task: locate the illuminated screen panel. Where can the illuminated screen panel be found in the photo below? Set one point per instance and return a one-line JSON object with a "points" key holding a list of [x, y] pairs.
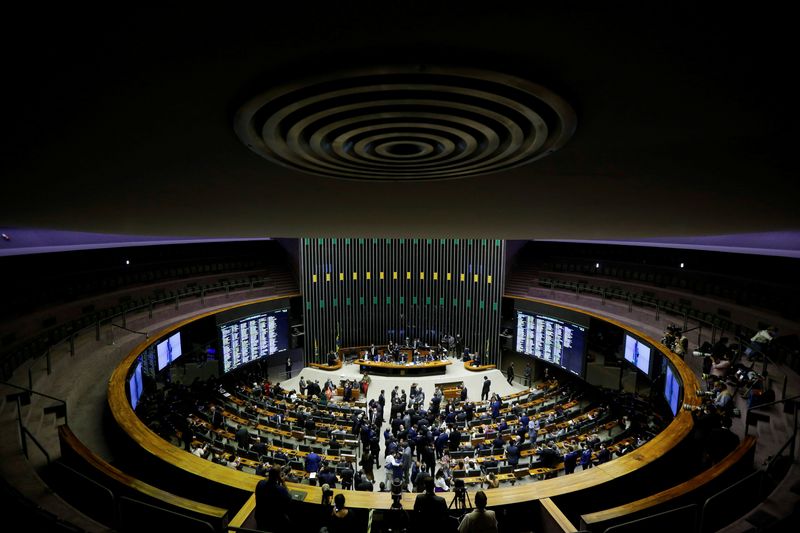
{"points": [[672, 390], [637, 353], [168, 350], [553, 340], [135, 385], [250, 338]]}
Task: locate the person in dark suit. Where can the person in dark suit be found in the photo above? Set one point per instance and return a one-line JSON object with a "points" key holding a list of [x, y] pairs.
{"points": [[570, 460], [464, 393], [216, 417], [430, 510], [272, 503], [242, 437], [454, 441], [487, 383]]}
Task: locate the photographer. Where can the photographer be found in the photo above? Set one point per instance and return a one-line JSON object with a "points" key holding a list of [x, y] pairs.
{"points": [[341, 518], [430, 510], [272, 503]]}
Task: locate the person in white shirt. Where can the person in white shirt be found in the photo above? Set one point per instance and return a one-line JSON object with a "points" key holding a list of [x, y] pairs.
{"points": [[440, 482], [760, 342]]}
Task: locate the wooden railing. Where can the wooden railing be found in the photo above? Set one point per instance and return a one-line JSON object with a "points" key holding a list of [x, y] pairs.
{"points": [[699, 487], [121, 485]]}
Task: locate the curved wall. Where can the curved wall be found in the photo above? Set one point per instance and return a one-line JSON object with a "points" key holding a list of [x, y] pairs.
{"points": [[607, 478]]}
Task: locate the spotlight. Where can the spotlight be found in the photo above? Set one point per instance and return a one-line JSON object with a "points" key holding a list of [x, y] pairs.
{"points": [[681, 265], [597, 265], [127, 261]]}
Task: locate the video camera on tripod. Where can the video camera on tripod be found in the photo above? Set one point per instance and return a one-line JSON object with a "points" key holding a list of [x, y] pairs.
{"points": [[461, 496]]}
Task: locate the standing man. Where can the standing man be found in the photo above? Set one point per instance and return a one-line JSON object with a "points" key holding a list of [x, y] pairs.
{"points": [[272, 503], [485, 391], [288, 367], [527, 374], [510, 373]]}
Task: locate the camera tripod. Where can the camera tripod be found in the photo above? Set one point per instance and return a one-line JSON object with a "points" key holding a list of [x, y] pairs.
{"points": [[460, 499]]}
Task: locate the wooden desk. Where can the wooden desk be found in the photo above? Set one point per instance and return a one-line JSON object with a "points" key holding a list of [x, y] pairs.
{"points": [[479, 368], [404, 369]]}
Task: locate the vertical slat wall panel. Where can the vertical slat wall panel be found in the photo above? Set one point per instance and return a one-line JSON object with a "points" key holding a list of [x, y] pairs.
{"points": [[369, 309]]}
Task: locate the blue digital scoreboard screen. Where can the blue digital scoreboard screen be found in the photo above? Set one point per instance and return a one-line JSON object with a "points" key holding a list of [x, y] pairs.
{"points": [[552, 340], [672, 390], [250, 338], [135, 385], [637, 353]]}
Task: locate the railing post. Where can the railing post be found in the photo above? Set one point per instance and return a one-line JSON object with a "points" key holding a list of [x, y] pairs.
{"points": [[30, 378], [685, 321], [97, 332], [124, 318], [72, 345], [177, 302], [783, 390], [658, 312], [603, 295], [794, 435], [699, 334], [203, 295], [227, 291], [21, 429], [47, 356], [150, 310]]}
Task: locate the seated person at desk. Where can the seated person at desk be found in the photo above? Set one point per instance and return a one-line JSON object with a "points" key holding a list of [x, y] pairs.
{"points": [[491, 481]]}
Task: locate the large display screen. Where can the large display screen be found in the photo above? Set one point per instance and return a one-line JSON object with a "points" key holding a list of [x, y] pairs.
{"points": [[135, 385], [168, 350], [553, 340], [253, 337], [672, 390], [637, 353]]}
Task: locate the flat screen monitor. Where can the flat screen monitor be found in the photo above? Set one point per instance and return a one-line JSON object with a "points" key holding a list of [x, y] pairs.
{"points": [[168, 350], [553, 340], [135, 385], [253, 337], [672, 390], [637, 353]]}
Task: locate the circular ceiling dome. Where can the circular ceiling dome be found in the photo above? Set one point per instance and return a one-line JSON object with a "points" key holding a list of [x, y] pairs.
{"points": [[406, 124]]}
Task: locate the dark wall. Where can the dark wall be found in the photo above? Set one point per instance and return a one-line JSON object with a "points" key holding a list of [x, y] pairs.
{"points": [[376, 290]]}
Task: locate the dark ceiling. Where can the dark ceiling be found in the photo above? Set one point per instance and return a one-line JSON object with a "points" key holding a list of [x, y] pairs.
{"points": [[123, 122]]}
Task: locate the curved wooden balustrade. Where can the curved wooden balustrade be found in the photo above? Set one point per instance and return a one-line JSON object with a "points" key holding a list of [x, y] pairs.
{"points": [[122, 484], [601, 520], [617, 469], [404, 369]]}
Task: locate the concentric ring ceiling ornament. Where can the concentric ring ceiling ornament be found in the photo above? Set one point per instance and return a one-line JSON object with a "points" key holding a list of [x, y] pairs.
{"points": [[406, 124]]}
